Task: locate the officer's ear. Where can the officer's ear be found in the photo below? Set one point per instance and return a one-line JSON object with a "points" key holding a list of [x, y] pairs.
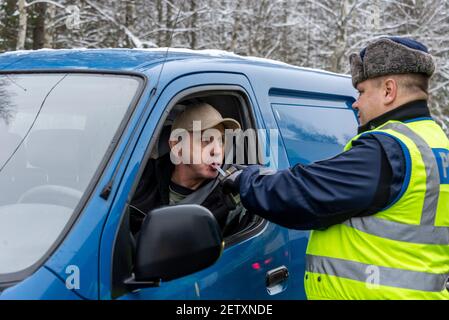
{"points": [[390, 90]]}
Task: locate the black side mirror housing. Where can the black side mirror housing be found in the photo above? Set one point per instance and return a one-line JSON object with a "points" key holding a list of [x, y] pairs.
{"points": [[176, 241]]}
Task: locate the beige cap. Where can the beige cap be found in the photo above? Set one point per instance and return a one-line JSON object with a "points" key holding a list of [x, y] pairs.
{"points": [[205, 113]]}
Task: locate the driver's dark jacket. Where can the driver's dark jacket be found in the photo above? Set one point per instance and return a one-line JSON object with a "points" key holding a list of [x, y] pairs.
{"points": [[153, 192]]}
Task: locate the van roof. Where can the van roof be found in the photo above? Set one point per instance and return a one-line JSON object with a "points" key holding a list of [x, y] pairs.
{"points": [[124, 59]]}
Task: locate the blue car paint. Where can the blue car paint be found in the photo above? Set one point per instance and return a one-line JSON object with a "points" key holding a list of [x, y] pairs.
{"points": [[240, 272], [221, 274], [43, 284]]}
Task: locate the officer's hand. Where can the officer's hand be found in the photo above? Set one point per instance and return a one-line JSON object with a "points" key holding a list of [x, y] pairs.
{"points": [[230, 181]]}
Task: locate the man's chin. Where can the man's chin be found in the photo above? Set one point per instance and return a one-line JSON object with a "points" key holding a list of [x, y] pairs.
{"points": [[207, 174], [213, 175]]}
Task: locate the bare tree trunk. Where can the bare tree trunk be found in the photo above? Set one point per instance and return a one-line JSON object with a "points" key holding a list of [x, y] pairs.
{"points": [[250, 35], [119, 38], [21, 35], [39, 26], [160, 14], [236, 27], [49, 20], [193, 24], [221, 29], [130, 12], [168, 24], [308, 30], [284, 40], [130, 17], [340, 39], [258, 25], [266, 27], [8, 22]]}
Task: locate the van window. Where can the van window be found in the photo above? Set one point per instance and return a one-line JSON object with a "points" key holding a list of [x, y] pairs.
{"points": [[231, 102], [154, 183], [54, 132], [313, 133]]}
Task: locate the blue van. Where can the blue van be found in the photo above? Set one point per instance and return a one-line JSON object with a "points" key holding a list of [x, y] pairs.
{"points": [[77, 129]]}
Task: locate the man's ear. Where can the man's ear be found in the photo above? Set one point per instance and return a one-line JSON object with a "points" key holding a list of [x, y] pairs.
{"points": [[390, 87], [172, 144]]}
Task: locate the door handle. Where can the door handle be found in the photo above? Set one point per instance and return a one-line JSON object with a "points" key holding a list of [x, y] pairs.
{"points": [[276, 276]]}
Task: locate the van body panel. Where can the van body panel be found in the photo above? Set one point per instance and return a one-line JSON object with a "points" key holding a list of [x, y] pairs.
{"points": [[240, 273], [42, 285]]}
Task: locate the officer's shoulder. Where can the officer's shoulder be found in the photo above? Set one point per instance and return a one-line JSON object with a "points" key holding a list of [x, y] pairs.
{"points": [[377, 141]]}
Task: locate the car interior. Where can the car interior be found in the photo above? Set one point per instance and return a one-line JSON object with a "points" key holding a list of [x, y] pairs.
{"points": [[230, 105]]}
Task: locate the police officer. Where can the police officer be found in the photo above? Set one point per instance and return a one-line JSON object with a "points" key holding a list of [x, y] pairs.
{"points": [[379, 211]]}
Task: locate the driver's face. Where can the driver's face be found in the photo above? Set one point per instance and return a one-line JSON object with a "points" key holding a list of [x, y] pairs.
{"points": [[209, 150]]}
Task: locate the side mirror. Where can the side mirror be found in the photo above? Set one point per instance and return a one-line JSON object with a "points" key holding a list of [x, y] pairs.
{"points": [[173, 242]]}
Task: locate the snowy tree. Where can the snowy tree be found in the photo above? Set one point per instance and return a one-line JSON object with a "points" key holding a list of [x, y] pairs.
{"points": [[310, 33]]}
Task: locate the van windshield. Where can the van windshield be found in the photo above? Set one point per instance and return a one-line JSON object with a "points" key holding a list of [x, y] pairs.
{"points": [[54, 131]]}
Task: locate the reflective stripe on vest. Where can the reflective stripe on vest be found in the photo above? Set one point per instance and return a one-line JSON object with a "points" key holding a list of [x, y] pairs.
{"points": [[400, 231], [387, 276], [386, 241], [432, 175], [426, 232]]}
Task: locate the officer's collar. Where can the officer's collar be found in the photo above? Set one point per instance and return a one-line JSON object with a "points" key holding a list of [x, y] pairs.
{"points": [[408, 111]]}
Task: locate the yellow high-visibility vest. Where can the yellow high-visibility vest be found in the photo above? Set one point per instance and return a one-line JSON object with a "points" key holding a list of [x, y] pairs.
{"points": [[401, 252]]}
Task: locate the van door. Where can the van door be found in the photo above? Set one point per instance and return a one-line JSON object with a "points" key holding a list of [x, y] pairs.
{"points": [[313, 127], [246, 263]]}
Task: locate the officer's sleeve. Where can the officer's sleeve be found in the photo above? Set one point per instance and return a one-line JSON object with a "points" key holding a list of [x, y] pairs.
{"points": [[361, 181]]}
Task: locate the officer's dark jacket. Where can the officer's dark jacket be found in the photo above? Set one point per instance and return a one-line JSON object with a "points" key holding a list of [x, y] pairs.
{"points": [[153, 192], [359, 182]]}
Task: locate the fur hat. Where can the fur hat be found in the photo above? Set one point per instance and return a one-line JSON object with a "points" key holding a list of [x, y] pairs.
{"points": [[391, 55]]}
